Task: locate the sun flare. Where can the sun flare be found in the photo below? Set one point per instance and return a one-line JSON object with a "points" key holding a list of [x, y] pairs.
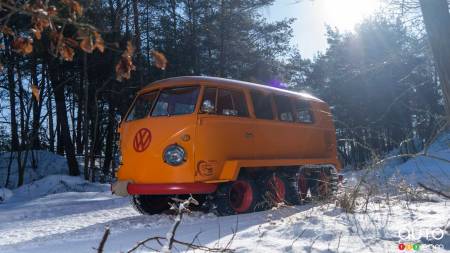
{"points": [[345, 14]]}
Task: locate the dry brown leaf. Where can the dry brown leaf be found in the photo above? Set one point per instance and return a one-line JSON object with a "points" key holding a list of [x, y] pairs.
{"points": [[130, 48], [99, 42], [36, 33], [86, 44], [66, 52], [40, 23], [52, 11], [23, 45], [160, 59], [125, 64], [35, 90], [7, 30], [124, 68], [74, 7], [71, 42], [56, 37], [77, 8]]}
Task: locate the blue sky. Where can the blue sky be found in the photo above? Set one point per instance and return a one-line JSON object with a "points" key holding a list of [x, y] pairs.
{"points": [[312, 15]]}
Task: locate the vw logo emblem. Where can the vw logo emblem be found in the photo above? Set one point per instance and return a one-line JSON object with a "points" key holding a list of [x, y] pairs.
{"points": [[142, 140]]}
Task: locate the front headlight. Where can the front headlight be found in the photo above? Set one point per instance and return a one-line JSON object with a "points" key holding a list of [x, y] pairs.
{"points": [[174, 155]]}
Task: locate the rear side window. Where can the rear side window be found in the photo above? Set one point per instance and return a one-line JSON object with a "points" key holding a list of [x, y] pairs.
{"points": [[228, 103], [231, 103], [176, 101], [262, 105], [302, 111], [284, 108], [142, 106]]}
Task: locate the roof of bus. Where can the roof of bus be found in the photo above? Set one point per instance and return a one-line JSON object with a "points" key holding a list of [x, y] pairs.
{"points": [[221, 82]]}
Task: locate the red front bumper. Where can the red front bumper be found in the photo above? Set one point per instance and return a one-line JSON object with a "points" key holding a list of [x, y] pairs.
{"points": [[169, 189]]}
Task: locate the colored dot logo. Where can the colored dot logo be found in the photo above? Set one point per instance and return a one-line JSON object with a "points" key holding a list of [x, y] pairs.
{"points": [[409, 247]]}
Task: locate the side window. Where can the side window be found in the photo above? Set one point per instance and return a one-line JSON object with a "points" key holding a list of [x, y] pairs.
{"points": [[303, 112], [231, 103], [142, 106], [209, 100], [262, 105], [284, 108]]}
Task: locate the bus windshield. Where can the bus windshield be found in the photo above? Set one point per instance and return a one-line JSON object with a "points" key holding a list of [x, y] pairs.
{"points": [[176, 101]]}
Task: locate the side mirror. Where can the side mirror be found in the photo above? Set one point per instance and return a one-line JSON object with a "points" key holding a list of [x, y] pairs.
{"points": [[207, 107]]}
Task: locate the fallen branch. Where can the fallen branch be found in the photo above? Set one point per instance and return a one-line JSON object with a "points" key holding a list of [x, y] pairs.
{"points": [[103, 241], [159, 239], [180, 207], [440, 193]]}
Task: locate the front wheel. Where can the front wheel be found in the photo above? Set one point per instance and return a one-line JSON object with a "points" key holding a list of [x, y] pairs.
{"points": [[150, 204], [240, 196]]}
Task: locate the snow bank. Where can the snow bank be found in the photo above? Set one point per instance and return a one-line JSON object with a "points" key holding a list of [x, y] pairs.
{"points": [[430, 167], [5, 194], [40, 163], [56, 184]]}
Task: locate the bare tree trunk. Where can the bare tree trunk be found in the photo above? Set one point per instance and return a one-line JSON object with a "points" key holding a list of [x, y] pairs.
{"points": [[51, 131], [437, 23], [173, 13], [23, 128], [61, 115], [222, 40], [12, 105], [35, 143], [109, 141], [95, 132], [78, 141], [137, 42], [59, 138], [86, 118]]}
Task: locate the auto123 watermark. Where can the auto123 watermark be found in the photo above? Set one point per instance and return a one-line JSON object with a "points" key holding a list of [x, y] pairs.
{"points": [[420, 239]]}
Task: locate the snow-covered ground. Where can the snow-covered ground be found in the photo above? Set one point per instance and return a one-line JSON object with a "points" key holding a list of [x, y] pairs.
{"points": [[67, 214], [75, 221]]}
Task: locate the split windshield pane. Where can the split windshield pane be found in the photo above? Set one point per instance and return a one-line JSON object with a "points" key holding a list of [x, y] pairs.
{"points": [[142, 106], [176, 101]]}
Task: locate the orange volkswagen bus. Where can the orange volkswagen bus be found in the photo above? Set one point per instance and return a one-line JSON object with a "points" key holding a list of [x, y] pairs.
{"points": [[237, 146]]}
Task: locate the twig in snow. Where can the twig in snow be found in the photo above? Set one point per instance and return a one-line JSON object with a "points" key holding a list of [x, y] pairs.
{"points": [[298, 237], [312, 243], [440, 193], [159, 239], [339, 243], [181, 207], [234, 234], [103, 241]]}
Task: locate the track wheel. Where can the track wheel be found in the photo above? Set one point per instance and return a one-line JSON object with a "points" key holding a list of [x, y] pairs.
{"points": [[150, 204], [240, 196], [302, 185], [324, 185], [275, 189]]}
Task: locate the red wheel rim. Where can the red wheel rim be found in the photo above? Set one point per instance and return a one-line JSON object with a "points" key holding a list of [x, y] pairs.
{"points": [[324, 188], [241, 196], [277, 187], [302, 186]]}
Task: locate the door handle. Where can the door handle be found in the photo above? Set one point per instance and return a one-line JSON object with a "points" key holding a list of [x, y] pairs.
{"points": [[248, 135]]}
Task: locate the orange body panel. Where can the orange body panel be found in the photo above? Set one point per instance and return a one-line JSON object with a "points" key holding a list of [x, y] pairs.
{"points": [[218, 146]]}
